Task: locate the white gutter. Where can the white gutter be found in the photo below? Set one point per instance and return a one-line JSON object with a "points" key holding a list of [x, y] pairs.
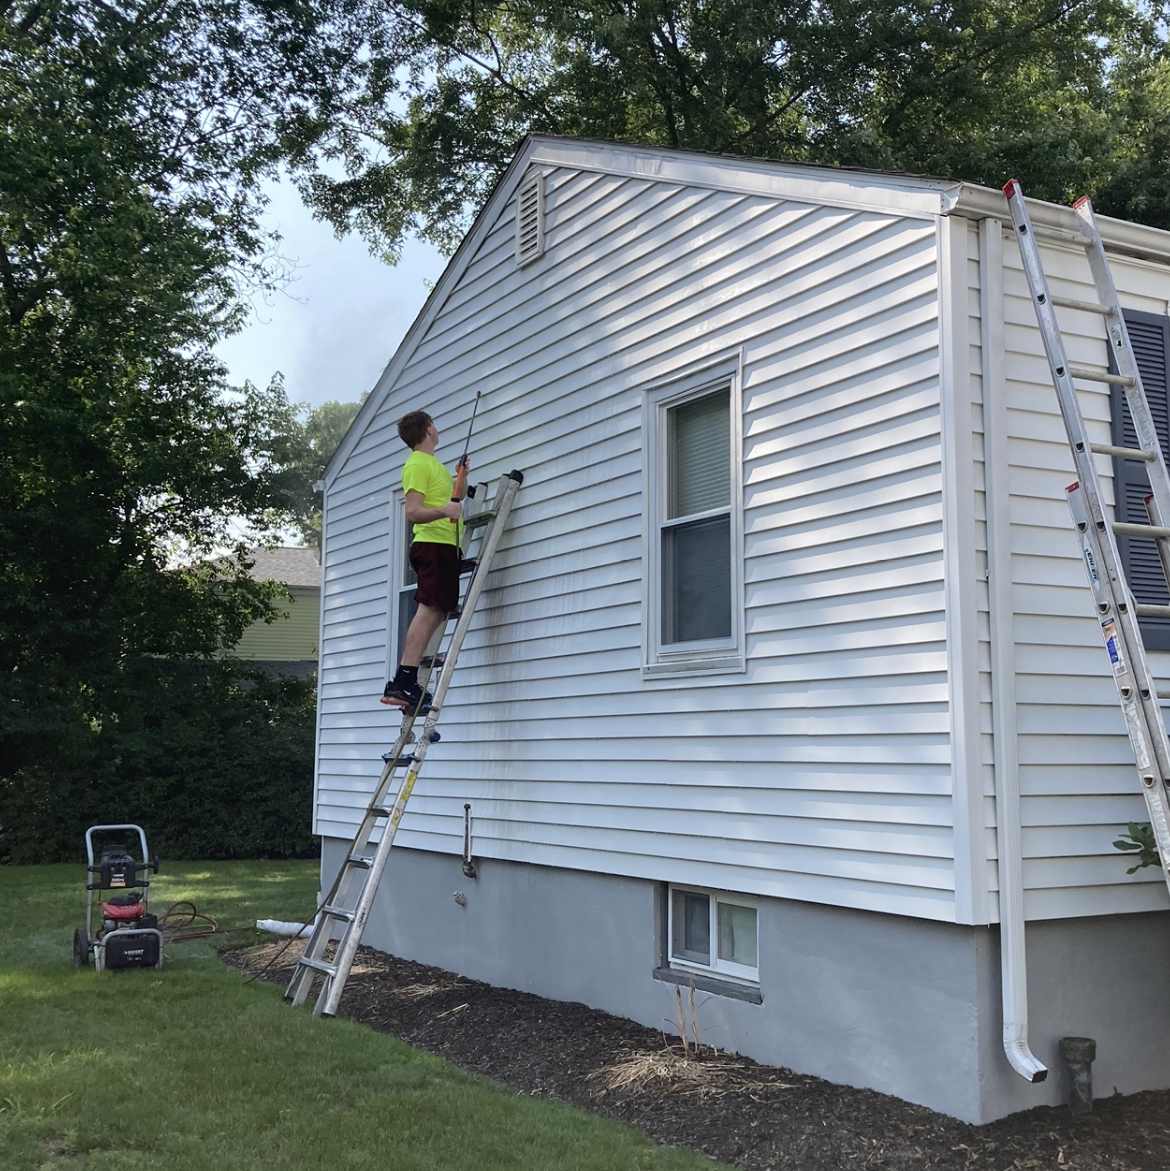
{"points": [[1013, 955], [1118, 236]]}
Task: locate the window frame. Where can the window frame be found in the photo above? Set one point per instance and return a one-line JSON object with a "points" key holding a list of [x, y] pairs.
{"points": [[724, 969], [399, 570], [708, 656], [1155, 632]]}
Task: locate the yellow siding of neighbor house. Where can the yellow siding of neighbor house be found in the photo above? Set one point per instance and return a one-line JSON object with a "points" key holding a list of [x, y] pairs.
{"points": [[291, 639]]}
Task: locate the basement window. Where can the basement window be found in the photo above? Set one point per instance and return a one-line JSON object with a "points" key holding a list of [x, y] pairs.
{"points": [[709, 931], [530, 219]]}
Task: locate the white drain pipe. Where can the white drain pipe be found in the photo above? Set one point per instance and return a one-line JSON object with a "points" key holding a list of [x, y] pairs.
{"points": [[1013, 954]]}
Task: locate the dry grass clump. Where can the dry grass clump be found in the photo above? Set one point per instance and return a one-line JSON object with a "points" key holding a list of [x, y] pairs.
{"points": [[699, 1070]]}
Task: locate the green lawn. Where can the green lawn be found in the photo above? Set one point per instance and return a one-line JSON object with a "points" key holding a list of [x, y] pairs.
{"points": [[191, 1068]]}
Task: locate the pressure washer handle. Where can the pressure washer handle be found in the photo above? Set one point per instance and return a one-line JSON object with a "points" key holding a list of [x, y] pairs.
{"points": [[460, 489]]}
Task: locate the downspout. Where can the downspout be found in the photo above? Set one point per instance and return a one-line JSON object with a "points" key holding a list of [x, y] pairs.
{"points": [[1013, 956]]}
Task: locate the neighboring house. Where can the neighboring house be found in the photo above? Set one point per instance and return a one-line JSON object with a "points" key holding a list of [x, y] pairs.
{"points": [[287, 646], [789, 605]]}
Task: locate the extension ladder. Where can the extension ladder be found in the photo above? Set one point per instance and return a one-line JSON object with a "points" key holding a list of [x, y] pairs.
{"points": [[337, 910], [1117, 611]]}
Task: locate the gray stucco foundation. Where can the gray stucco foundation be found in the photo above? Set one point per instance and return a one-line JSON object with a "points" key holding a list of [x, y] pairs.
{"points": [[904, 1006]]}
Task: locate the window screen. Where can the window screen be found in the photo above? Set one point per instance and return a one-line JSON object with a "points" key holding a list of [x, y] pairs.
{"points": [[1150, 337], [696, 553]]}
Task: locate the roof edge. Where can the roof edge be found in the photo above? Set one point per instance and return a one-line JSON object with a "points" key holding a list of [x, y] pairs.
{"points": [[1120, 236]]}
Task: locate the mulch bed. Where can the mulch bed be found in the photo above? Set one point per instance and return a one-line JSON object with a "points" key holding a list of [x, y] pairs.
{"points": [[748, 1115]]}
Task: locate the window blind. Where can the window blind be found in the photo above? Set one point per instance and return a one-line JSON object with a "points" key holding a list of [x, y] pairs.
{"points": [[1149, 334], [699, 457]]}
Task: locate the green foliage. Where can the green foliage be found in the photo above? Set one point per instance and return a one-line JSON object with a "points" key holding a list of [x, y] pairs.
{"points": [[133, 134], [217, 761], [1070, 96], [1140, 837], [322, 432]]}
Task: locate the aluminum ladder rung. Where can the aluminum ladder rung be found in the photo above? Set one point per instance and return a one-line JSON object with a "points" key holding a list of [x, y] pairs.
{"points": [[1154, 532], [323, 966], [1150, 610], [1099, 374], [1061, 235], [1123, 452], [1083, 306], [491, 521]]}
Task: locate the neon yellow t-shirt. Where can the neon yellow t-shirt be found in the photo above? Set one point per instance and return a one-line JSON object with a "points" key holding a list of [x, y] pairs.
{"points": [[423, 473]]}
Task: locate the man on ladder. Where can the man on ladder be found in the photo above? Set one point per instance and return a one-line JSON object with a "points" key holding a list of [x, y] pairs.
{"points": [[434, 508]]}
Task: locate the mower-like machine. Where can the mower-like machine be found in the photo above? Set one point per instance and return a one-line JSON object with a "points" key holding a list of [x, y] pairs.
{"points": [[127, 935]]}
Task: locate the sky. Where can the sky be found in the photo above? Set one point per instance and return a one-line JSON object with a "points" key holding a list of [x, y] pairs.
{"points": [[334, 328]]}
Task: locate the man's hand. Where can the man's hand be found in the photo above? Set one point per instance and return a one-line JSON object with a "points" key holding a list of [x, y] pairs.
{"points": [[452, 511]]}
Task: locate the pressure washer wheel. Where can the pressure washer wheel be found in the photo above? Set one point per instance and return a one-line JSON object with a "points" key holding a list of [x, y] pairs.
{"points": [[80, 948]]}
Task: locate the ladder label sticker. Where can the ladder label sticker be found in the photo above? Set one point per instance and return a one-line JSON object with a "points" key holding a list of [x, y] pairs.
{"points": [[1090, 564], [1137, 735], [1109, 631]]}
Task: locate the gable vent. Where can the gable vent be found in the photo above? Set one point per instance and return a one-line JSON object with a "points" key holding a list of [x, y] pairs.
{"points": [[530, 219]]}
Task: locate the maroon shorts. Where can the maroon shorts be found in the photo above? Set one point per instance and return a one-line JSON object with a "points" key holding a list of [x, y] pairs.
{"points": [[437, 569]]}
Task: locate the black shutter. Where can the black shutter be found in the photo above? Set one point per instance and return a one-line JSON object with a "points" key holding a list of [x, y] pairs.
{"points": [[1150, 336]]}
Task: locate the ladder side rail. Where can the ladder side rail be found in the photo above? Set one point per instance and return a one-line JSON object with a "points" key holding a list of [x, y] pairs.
{"points": [[330, 999], [303, 976], [1108, 562], [1121, 348], [1070, 408], [1135, 690]]}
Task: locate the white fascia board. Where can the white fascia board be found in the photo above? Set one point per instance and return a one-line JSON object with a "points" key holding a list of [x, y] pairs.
{"points": [[1119, 236], [503, 192], [903, 195]]}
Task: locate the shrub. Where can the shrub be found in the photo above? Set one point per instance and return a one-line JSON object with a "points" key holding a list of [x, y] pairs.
{"points": [[213, 760]]}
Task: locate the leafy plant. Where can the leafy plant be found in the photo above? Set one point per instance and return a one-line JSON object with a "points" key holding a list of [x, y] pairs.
{"points": [[1139, 837]]}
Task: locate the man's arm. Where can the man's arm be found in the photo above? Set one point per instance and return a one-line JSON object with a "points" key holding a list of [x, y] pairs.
{"points": [[418, 514]]}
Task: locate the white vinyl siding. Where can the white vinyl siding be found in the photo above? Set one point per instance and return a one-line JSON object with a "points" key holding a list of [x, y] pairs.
{"points": [[1078, 784], [822, 770]]}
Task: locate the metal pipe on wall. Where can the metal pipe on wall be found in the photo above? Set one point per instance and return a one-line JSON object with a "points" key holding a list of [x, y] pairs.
{"points": [[1013, 952]]}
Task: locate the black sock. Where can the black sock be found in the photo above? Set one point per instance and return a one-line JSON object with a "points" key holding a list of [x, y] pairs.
{"points": [[408, 675]]}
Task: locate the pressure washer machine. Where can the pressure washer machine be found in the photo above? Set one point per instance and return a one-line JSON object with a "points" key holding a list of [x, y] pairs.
{"points": [[127, 935]]}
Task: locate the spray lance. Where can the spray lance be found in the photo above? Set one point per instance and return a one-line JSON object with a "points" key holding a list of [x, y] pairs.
{"points": [[461, 469]]}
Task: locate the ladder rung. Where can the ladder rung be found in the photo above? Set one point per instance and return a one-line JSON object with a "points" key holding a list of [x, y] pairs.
{"points": [[318, 965], [479, 519], [1122, 452], [1064, 235], [1154, 532], [408, 758], [339, 913], [379, 811], [467, 565], [1148, 610], [1083, 306], [1099, 374], [360, 861]]}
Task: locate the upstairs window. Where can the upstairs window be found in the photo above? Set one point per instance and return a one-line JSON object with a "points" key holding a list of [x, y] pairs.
{"points": [[694, 610], [696, 529], [1149, 334]]}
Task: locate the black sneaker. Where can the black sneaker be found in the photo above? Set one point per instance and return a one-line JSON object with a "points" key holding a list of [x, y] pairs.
{"points": [[408, 695]]}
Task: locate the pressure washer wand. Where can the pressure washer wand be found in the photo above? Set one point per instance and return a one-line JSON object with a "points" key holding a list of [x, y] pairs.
{"points": [[461, 470]]}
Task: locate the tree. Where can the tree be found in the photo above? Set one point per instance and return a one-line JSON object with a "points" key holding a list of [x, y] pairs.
{"points": [[1068, 95], [322, 433], [133, 135]]}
